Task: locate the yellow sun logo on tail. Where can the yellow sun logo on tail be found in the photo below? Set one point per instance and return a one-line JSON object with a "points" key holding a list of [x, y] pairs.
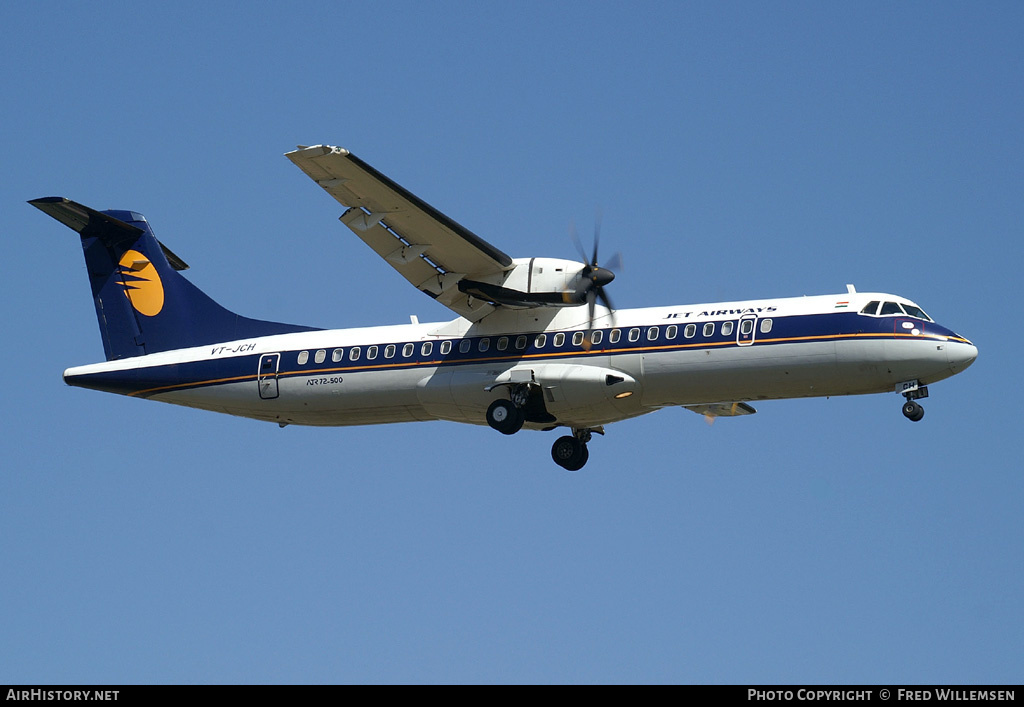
{"points": [[141, 282]]}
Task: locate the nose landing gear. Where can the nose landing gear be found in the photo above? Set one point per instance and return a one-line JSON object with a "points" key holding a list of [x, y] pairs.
{"points": [[913, 391], [913, 411]]}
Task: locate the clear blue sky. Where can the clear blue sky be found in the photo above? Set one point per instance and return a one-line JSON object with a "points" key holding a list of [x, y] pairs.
{"points": [[736, 150]]}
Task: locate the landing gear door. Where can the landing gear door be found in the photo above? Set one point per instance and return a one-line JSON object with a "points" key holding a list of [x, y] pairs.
{"points": [[747, 330], [266, 376]]}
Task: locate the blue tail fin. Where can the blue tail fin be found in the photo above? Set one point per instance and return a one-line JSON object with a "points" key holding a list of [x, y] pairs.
{"points": [[143, 304]]}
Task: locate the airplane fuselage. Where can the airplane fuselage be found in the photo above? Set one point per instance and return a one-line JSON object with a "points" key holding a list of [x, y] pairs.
{"points": [[641, 360]]}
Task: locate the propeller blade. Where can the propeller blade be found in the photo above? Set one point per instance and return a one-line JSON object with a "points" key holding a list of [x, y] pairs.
{"points": [[614, 263], [597, 236], [576, 241], [593, 279], [588, 340]]}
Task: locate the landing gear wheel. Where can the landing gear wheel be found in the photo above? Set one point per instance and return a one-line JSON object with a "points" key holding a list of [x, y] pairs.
{"points": [[570, 453], [584, 457], [913, 411], [504, 416]]}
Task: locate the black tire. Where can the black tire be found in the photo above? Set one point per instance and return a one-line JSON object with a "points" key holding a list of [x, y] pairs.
{"points": [[505, 417], [569, 453], [581, 462], [913, 411]]}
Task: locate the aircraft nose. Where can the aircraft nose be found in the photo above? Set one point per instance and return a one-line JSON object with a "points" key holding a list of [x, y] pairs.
{"points": [[961, 355]]}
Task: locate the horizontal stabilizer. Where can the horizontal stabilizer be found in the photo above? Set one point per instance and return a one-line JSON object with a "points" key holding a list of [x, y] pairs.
{"points": [[90, 222]]}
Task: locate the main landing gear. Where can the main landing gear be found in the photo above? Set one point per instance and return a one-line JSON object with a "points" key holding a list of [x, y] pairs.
{"points": [[508, 416], [570, 452], [913, 392]]}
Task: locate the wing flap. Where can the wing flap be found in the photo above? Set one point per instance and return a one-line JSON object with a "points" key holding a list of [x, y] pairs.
{"points": [[388, 246], [411, 263], [712, 410]]}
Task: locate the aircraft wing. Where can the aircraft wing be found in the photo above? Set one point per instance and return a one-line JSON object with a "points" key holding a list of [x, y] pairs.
{"points": [[430, 250]]}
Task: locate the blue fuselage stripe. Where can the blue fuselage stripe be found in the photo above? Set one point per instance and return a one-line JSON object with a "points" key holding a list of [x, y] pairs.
{"points": [[152, 380]]}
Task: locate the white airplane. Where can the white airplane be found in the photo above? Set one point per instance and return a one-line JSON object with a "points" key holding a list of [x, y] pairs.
{"points": [[536, 344]]}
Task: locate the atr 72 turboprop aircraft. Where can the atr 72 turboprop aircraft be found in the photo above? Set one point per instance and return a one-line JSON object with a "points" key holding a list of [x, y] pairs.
{"points": [[536, 344]]}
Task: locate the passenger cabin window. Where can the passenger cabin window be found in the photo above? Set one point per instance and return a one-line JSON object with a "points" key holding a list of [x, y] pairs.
{"points": [[559, 339], [427, 347], [671, 332], [389, 351], [634, 334], [891, 308], [303, 357], [408, 350], [520, 342], [485, 344], [727, 328], [540, 340], [709, 329], [747, 327], [320, 356], [614, 336], [766, 326], [652, 333], [446, 348], [371, 353], [464, 345], [353, 353], [690, 331], [337, 355], [870, 307], [577, 338], [502, 343], [596, 336]]}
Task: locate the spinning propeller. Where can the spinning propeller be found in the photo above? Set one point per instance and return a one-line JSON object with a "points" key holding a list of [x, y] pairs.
{"points": [[593, 279]]}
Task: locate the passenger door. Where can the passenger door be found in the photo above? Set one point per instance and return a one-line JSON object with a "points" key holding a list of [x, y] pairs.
{"points": [[747, 330], [266, 376]]}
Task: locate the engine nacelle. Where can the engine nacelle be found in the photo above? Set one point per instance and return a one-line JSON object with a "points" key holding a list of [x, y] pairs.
{"points": [[531, 282]]}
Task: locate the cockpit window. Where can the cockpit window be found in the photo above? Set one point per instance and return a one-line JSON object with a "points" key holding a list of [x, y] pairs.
{"points": [[870, 307], [916, 312], [891, 308]]}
